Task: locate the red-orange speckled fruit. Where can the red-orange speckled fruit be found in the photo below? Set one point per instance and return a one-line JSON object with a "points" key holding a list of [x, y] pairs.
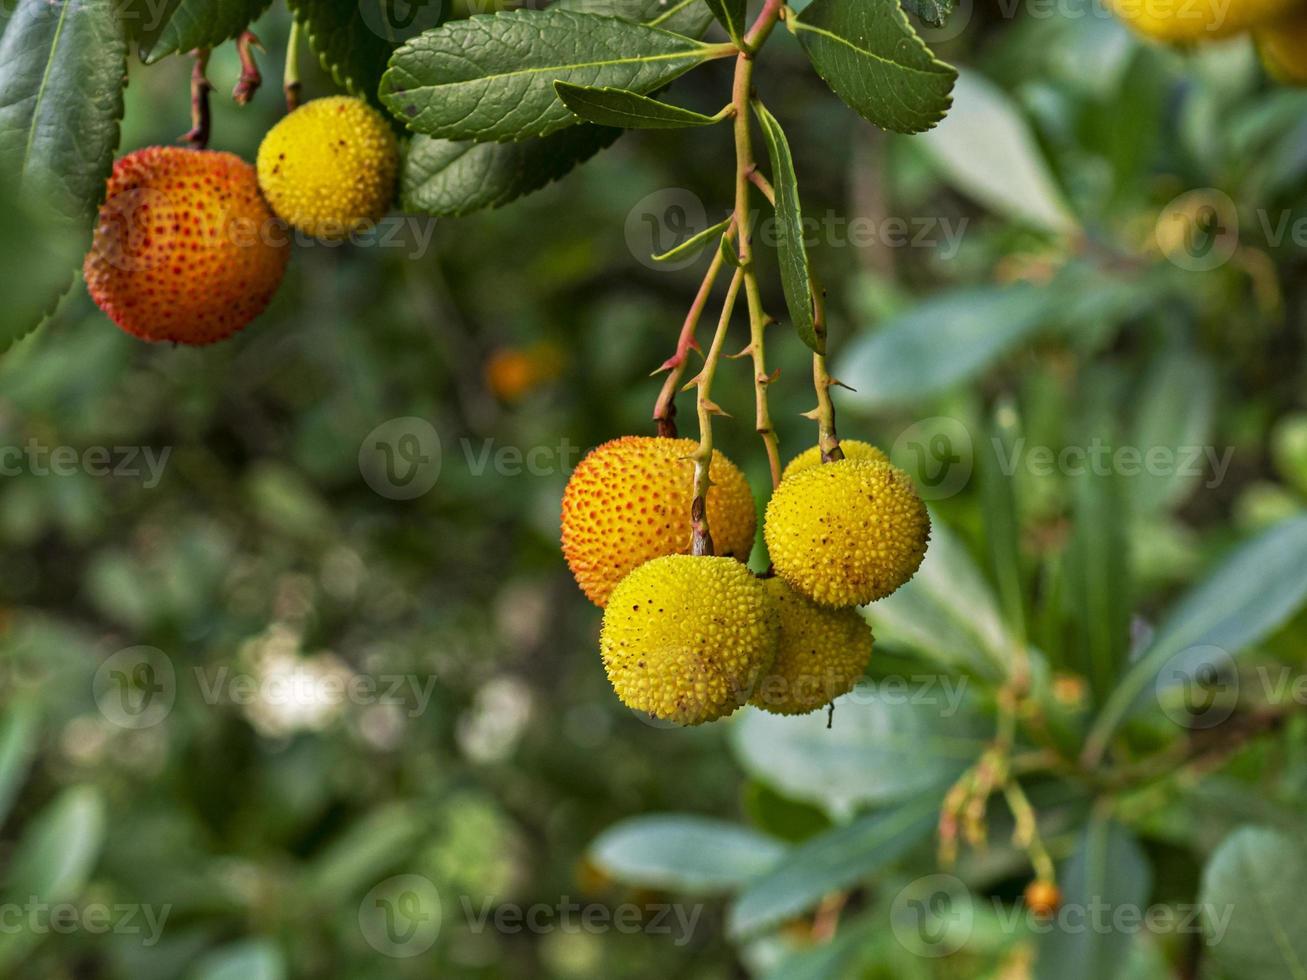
{"points": [[628, 502], [185, 248]]}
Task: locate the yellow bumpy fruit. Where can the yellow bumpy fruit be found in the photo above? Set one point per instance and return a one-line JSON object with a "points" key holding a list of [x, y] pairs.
{"points": [[329, 167], [1187, 21], [853, 449], [685, 638], [821, 654], [1283, 47], [628, 502], [847, 533]]}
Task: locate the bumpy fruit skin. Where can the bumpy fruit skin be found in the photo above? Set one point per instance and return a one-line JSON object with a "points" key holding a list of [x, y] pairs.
{"points": [[847, 533], [685, 638], [853, 449], [185, 248], [820, 655], [1283, 47], [329, 167], [1187, 21], [628, 502]]}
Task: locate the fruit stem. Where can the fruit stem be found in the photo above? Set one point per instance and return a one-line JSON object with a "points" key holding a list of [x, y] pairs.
{"points": [[700, 533], [822, 382], [291, 77], [251, 78], [665, 408], [201, 119]]}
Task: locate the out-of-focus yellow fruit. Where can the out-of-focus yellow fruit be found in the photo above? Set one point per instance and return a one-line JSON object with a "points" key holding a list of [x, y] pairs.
{"points": [[1283, 47], [853, 449], [628, 502], [513, 372], [821, 654], [329, 167], [847, 533], [685, 638], [1043, 898], [1187, 21]]}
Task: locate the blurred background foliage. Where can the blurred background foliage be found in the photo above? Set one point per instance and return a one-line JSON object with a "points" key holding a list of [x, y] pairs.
{"points": [[1064, 310]]}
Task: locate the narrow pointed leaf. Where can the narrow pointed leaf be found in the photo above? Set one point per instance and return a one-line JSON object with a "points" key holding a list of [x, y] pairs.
{"points": [[871, 58], [492, 77], [628, 110], [684, 853], [796, 278]]}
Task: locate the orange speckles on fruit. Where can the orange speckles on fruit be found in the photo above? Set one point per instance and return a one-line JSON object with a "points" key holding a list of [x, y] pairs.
{"points": [[185, 248], [847, 533], [685, 638], [628, 502], [329, 167]]}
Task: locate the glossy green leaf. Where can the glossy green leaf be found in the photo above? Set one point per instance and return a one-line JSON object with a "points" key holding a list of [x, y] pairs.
{"points": [[684, 853], [1254, 917], [871, 58], [941, 341], [354, 42], [791, 250], [203, 24], [730, 14], [1250, 595], [934, 12], [688, 17], [18, 738], [986, 149], [695, 242], [492, 77], [836, 859], [627, 110], [1106, 878], [889, 741]]}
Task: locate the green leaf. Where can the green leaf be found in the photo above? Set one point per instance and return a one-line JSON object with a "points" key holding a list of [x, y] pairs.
{"points": [[1097, 566], [53, 861], [834, 860], [684, 853], [947, 612], [251, 959], [1257, 878], [1108, 875], [146, 20], [694, 243], [364, 853], [18, 739], [688, 17], [452, 178], [354, 41], [1002, 522], [628, 110], [934, 12], [492, 77], [1174, 413], [203, 24], [986, 149], [62, 71], [796, 279], [871, 58], [890, 740], [1251, 595], [730, 14], [941, 341]]}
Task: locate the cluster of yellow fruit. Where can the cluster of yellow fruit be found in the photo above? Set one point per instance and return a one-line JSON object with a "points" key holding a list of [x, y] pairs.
{"points": [[691, 638], [1279, 27], [189, 246]]}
